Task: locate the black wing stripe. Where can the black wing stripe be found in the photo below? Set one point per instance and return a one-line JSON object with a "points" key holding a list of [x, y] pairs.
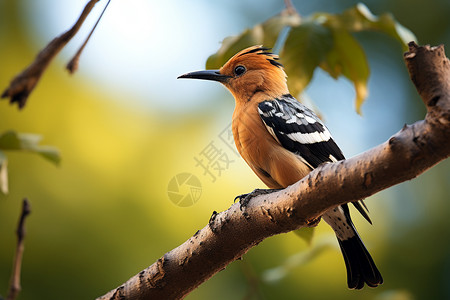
{"points": [[300, 131]]}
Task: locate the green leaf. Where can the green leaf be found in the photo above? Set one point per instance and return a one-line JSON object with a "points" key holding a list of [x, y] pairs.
{"points": [[347, 58], [305, 48], [306, 234], [261, 34], [49, 153], [360, 18], [28, 140], [13, 141], [9, 141], [233, 44], [323, 40], [273, 26]]}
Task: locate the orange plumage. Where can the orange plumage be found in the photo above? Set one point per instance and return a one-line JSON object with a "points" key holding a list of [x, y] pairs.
{"points": [[282, 141]]}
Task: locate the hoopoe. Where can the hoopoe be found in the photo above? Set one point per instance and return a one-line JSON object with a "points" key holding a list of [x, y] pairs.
{"points": [[282, 141]]}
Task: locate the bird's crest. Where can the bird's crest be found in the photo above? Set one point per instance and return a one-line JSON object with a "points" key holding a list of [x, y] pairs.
{"points": [[254, 70], [260, 50]]}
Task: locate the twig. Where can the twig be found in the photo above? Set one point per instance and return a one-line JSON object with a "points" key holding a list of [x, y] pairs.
{"points": [[24, 83], [72, 66], [15, 287]]}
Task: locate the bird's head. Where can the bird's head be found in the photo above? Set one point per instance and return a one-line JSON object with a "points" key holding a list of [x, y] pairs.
{"points": [[250, 71]]}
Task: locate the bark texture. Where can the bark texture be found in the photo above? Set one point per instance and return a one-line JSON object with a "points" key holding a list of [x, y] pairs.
{"points": [[231, 233]]}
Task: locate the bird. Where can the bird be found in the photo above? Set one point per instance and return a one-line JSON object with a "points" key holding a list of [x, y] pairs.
{"points": [[282, 140]]}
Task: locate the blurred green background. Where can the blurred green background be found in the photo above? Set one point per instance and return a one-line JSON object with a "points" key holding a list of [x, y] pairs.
{"points": [[125, 127]]}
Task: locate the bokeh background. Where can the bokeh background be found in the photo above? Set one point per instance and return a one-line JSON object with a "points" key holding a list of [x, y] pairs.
{"points": [[125, 127]]}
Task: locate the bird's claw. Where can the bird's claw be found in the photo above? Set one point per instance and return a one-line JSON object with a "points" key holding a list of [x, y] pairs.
{"points": [[213, 217], [240, 197], [244, 199]]}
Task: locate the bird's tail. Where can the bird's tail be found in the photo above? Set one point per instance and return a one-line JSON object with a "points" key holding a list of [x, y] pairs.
{"points": [[360, 266]]}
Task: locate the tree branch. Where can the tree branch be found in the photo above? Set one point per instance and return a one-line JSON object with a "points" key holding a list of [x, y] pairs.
{"points": [[72, 65], [14, 287], [230, 234], [24, 83]]}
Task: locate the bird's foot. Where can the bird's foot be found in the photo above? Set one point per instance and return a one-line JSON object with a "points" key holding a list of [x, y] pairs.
{"points": [[244, 199], [213, 217]]}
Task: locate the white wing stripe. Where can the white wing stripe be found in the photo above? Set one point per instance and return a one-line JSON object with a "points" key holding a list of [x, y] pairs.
{"points": [[332, 158], [310, 120], [310, 138]]}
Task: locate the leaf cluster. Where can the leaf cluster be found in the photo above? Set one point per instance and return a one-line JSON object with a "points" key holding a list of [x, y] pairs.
{"points": [[321, 40]]}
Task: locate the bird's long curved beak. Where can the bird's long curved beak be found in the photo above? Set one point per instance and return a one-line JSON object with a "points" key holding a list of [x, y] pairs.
{"points": [[206, 75]]}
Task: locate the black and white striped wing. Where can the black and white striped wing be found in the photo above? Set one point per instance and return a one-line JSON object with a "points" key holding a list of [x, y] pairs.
{"points": [[299, 130]]}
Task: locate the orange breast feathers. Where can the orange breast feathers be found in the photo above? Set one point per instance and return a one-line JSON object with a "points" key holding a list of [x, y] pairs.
{"points": [[274, 165]]}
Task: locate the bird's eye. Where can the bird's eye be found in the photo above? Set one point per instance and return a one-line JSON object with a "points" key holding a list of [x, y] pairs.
{"points": [[239, 70]]}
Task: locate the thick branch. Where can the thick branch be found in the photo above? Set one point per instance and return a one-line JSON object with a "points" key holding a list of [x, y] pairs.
{"points": [[231, 233]]}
